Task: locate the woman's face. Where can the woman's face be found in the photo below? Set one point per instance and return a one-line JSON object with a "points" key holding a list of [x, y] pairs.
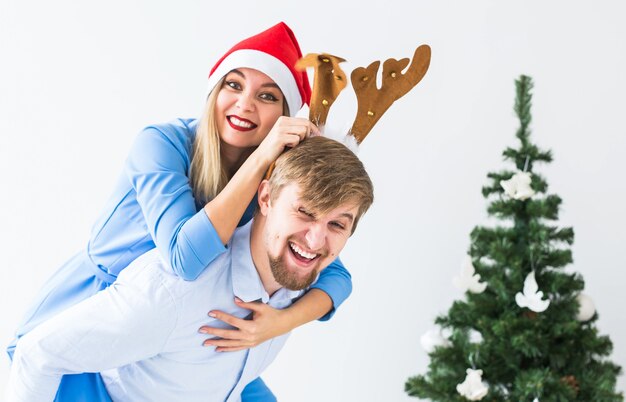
{"points": [[247, 106]]}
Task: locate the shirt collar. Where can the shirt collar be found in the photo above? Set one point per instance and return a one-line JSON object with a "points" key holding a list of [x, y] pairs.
{"points": [[247, 283]]}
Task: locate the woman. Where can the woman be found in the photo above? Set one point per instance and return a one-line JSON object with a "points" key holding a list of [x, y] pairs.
{"points": [[188, 184]]}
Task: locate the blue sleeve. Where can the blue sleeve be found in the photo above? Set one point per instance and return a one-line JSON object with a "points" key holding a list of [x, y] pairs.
{"points": [[157, 169], [82, 387], [336, 281]]}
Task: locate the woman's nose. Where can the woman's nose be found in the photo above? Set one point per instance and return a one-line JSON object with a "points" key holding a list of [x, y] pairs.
{"points": [[245, 102]]}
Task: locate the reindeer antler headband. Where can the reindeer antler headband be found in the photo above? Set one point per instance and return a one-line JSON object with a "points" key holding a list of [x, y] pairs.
{"points": [[329, 80]]}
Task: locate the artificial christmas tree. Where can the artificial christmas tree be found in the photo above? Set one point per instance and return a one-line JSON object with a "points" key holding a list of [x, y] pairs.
{"points": [[524, 332]]}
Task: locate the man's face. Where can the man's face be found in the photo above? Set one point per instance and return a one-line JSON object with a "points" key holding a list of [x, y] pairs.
{"points": [[300, 241]]}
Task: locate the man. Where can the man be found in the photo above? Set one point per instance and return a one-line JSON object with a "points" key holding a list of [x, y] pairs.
{"points": [[141, 333]]}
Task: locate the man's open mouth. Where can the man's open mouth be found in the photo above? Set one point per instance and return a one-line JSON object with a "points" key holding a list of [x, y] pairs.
{"points": [[302, 255]]}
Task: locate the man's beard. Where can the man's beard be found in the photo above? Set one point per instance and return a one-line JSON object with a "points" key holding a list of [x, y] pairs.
{"points": [[288, 279]]}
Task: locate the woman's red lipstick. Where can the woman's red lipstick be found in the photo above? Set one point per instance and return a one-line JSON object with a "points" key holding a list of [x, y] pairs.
{"points": [[240, 124]]}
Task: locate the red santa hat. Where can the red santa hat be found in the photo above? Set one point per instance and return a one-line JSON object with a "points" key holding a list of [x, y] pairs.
{"points": [[273, 52]]}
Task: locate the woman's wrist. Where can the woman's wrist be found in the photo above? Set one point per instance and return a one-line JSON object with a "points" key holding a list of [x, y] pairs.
{"points": [[314, 305], [259, 161], [289, 319]]}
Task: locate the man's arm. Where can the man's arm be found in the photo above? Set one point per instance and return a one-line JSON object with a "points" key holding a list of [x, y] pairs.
{"points": [[127, 322]]}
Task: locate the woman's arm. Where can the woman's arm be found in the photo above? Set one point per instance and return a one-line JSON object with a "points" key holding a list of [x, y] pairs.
{"points": [[227, 208], [335, 281], [333, 286], [157, 168], [267, 322]]}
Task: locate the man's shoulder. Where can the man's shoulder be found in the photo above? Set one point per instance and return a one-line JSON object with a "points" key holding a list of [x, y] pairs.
{"points": [[149, 258], [151, 270], [147, 268]]}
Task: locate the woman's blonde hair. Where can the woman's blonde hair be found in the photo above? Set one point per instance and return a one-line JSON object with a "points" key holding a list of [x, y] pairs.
{"points": [[207, 175]]}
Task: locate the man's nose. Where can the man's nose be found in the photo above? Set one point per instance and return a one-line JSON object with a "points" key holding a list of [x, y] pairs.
{"points": [[316, 236]]}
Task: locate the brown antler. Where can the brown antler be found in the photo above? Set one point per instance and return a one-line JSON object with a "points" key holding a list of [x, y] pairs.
{"points": [[329, 80], [373, 102]]}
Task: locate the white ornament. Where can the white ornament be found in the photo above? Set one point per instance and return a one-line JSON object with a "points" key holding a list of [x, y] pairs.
{"points": [[587, 309], [536, 400], [518, 186], [468, 280], [432, 339], [531, 297], [475, 336], [473, 388]]}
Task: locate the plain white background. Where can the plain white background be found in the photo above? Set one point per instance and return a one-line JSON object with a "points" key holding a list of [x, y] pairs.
{"points": [[78, 80]]}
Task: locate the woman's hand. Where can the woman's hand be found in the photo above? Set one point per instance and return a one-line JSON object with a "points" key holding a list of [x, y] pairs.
{"points": [[287, 132], [267, 322]]}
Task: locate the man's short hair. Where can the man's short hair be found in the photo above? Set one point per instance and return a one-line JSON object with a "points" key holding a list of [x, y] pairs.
{"points": [[328, 173]]}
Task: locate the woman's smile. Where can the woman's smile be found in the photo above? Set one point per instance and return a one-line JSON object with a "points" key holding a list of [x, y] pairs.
{"points": [[240, 124], [248, 102]]}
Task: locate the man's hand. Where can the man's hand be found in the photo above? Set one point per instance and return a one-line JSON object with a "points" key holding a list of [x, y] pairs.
{"points": [[267, 322]]}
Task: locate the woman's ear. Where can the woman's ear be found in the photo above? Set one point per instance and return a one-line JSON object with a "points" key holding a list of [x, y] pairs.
{"points": [[264, 197]]}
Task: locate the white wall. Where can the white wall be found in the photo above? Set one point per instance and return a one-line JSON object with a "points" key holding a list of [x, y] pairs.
{"points": [[79, 79]]}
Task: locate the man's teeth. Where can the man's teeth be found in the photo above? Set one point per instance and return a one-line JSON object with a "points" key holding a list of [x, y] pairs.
{"points": [[240, 123], [301, 252]]}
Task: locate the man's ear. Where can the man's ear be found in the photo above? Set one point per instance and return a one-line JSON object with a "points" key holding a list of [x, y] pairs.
{"points": [[264, 197]]}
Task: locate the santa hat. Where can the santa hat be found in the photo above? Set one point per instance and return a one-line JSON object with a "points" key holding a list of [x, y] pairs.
{"points": [[273, 52]]}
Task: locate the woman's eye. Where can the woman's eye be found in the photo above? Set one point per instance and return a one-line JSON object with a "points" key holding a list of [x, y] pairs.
{"points": [[233, 85], [338, 225], [268, 97]]}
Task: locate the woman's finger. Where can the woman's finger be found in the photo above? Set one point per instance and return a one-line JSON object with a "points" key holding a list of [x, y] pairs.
{"points": [[230, 349], [228, 318], [255, 306], [292, 140], [314, 131], [231, 343], [220, 332], [301, 130]]}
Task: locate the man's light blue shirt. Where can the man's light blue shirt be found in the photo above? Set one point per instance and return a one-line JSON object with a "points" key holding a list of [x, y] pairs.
{"points": [[142, 334]]}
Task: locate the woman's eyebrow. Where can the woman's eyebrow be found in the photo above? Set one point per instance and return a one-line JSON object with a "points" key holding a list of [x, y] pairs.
{"points": [[238, 73], [266, 85], [271, 85]]}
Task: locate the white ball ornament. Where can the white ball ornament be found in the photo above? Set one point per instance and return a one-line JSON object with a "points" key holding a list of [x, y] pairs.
{"points": [[475, 336], [587, 309], [432, 339]]}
